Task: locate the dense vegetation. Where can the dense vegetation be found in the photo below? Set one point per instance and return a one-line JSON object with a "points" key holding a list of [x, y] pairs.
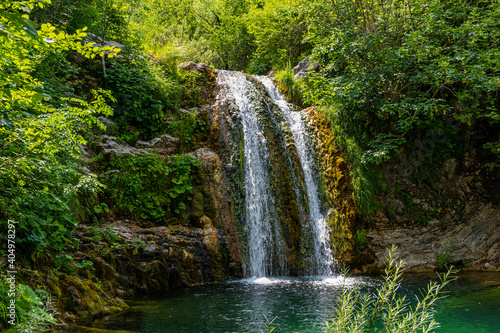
{"points": [[401, 82]]}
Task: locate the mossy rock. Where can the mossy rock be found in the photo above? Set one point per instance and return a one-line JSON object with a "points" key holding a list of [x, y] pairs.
{"points": [[197, 204], [336, 182]]}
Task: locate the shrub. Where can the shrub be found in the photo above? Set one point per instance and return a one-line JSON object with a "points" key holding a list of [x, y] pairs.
{"points": [[34, 309], [408, 81], [446, 255], [361, 240], [150, 187], [190, 87], [288, 85], [364, 177], [356, 313], [144, 93]]}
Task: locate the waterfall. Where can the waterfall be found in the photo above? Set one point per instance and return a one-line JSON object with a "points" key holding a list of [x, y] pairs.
{"points": [[275, 180], [322, 247], [265, 240]]}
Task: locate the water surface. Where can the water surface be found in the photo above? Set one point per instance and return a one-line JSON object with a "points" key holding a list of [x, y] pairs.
{"points": [[299, 305]]}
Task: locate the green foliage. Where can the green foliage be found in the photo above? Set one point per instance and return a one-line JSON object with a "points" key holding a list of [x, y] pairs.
{"points": [[34, 310], [268, 325], [184, 126], [360, 239], [66, 263], [416, 213], [105, 234], [191, 88], [203, 31], [101, 208], [41, 177], [145, 93], [148, 187], [401, 74], [55, 70], [288, 84], [39, 171], [279, 28], [494, 147], [100, 17], [385, 310], [364, 177], [230, 34]]}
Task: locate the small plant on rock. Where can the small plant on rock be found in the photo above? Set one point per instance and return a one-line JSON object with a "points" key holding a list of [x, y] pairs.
{"points": [[446, 255]]}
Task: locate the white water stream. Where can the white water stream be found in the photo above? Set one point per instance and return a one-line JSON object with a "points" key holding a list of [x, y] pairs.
{"points": [[265, 240], [322, 247], [266, 246]]}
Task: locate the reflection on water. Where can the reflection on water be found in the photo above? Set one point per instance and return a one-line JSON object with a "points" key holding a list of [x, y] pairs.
{"points": [[300, 305]]}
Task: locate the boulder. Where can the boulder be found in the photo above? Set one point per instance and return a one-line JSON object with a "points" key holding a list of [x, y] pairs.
{"points": [[155, 144], [194, 67], [171, 143], [304, 67], [111, 146], [110, 125]]}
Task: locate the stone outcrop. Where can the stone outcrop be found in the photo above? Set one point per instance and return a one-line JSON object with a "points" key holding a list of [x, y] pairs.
{"points": [[140, 260], [473, 244], [164, 145], [110, 145], [196, 67], [130, 260], [457, 222], [304, 67]]}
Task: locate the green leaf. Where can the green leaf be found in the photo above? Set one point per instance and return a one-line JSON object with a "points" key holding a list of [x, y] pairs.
{"points": [[5, 121], [38, 233], [37, 98], [27, 294]]}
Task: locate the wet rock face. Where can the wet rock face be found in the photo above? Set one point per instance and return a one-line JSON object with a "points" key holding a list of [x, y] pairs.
{"points": [[457, 222], [344, 218], [474, 244], [147, 260], [281, 165], [85, 298]]}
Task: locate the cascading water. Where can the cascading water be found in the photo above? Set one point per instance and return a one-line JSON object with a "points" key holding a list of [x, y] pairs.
{"points": [[265, 240], [322, 247], [275, 180]]}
